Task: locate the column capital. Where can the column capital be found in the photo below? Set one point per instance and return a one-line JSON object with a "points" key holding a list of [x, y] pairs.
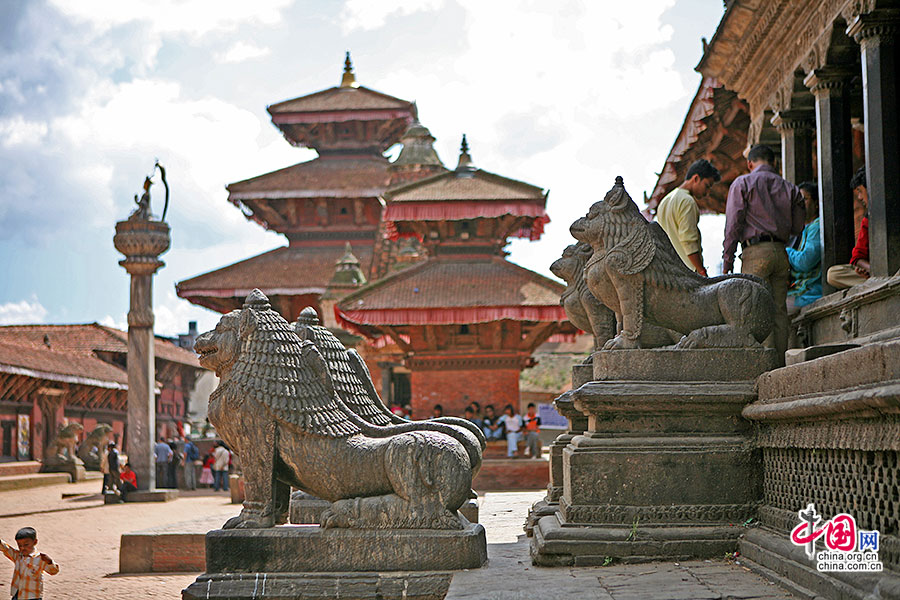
{"points": [[794, 119], [828, 78], [880, 27]]}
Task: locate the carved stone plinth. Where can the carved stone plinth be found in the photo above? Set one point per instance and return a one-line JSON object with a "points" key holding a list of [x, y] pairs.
{"points": [[306, 509], [666, 468], [74, 469], [311, 549], [301, 561], [577, 425]]}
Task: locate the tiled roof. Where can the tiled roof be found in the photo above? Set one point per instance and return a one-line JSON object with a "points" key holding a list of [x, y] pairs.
{"points": [[715, 126], [287, 270], [339, 98], [86, 339], [465, 185], [457, 283], [60, 365], [355, 175]]}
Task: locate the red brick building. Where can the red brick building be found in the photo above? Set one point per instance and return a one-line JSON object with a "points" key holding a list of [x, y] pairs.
{"points": [[52, 375]]}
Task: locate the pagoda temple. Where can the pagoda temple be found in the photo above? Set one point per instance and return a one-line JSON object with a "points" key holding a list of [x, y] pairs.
{"points": [[408, 254], [466, 319], [319, 205]]}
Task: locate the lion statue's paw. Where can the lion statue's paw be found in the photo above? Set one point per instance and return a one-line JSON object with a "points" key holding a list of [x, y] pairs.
{"points": [[243, 521], [621, 342], [686, 343]]}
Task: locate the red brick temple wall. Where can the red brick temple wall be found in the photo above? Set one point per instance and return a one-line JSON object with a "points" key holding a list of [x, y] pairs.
{"points": [[454, 390]]}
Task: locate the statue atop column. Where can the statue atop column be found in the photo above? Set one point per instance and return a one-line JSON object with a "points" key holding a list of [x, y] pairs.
{"points": [[142, 212], [142, 239]]}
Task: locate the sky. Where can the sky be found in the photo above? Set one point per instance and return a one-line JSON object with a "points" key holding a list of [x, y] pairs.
{"points": [[564, 95]]}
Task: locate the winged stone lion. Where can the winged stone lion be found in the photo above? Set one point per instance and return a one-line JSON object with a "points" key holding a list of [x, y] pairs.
{"points": [[636, 272], [277, 406]]}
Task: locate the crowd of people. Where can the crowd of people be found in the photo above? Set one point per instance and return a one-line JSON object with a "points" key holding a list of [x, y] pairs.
{"points": [[509, 426], [776, 224], [170, 456]]}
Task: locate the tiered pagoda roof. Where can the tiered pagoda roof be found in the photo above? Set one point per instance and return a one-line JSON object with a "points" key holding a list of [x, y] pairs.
{"points": [[346, 117], [297, 270], [450, 290], [467, 193], [464, 218]]}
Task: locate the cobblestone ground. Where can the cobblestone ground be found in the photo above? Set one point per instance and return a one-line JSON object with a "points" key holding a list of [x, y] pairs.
{"points": [[82, 535], [509, 574]]}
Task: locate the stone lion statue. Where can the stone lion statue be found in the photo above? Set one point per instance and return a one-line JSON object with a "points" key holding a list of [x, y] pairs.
{"points": [[62, 447], [277, 407], [90, 449], [589, 314], [583, 309], [636, 272]]}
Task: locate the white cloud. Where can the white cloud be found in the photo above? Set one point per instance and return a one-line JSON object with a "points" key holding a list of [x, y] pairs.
{"points": [[195, 17], [563, 95], [203, 142], [17, 131], [120, 323], [372, 14], [242, 51], [22, 312]]}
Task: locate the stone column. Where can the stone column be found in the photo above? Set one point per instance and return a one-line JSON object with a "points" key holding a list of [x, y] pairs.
{"points": [[831, 87], [141, 241], [796, 128], [877, 34]]}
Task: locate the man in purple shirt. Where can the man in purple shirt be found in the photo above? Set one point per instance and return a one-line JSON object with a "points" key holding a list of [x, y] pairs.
{"points": [[762, 213]]}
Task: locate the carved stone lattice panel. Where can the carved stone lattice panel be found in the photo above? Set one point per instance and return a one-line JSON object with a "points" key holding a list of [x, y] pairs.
{"points": [[864, 484]]}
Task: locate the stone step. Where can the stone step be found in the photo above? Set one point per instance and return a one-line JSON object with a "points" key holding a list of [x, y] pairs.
{"points": [[863, 311], [873, 363], [30, 480], [19, 467]]}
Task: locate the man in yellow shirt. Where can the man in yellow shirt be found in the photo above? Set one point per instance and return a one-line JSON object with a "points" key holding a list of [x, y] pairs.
{"points": [[678, 213]]}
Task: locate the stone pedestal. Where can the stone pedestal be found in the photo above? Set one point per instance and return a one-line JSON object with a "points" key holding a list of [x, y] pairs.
{"points": [[307, 510], [302, 561], [666, 468], [74, 469], [577, 425]]}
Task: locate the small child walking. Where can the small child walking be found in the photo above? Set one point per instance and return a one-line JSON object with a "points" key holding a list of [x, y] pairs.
{"points": [[28, 574]]}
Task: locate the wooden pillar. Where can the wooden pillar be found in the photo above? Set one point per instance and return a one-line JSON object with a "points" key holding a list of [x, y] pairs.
{"points": [[831, 87], [877, 34], [796, 128]]}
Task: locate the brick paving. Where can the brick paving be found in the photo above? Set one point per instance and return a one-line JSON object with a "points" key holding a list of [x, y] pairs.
{"points": [[82, 535]]}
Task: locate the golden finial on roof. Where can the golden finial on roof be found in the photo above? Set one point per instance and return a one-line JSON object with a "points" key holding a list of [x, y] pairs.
{"points": [[465, 161], [348, 79]]}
